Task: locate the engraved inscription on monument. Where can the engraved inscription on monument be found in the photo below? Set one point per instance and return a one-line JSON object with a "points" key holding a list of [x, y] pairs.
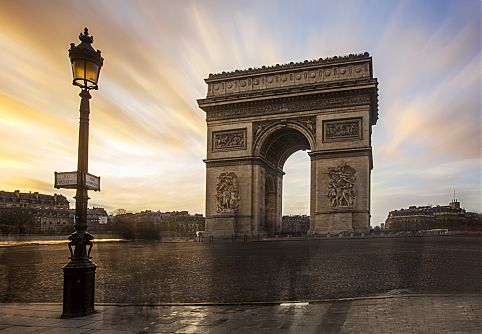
{"points": [[229, 140], [339, 130], [341, 188]]}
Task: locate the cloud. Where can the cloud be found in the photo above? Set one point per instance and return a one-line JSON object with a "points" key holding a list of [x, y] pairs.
{"points": [[148, 135], [431, 75]]}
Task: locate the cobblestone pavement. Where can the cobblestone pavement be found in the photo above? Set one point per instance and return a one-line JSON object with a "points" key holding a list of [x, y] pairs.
{"points": [[394, 314], [233, 272]]}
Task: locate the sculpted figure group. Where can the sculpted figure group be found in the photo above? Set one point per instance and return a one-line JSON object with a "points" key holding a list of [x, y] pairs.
{"points": [[227, 192], [341, 187], [229, 140]]}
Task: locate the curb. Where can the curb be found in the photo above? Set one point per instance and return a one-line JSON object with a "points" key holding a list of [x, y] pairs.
{"points": [[286, 302]]}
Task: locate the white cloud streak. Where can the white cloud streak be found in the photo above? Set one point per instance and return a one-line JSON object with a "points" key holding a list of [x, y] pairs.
{"points": [[148, 136]]}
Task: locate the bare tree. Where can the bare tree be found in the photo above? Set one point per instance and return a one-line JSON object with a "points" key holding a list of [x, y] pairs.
{"points": [[119, 212]]}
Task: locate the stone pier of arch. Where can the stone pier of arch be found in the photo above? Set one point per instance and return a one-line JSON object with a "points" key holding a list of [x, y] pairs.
{"points": [[257, 118]]}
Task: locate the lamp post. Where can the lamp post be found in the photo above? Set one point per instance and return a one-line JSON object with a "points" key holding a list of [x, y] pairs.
{"points": [[79, 273]]}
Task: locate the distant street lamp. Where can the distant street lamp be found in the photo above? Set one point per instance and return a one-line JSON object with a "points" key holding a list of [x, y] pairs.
{"points": [[79, 273]]}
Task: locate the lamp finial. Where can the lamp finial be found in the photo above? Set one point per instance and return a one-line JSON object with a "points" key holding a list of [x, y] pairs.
{"points": [[84, 37]]}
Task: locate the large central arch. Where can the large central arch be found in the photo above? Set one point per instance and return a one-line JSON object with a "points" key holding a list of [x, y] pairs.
{"points": [[257, 118], [276, 144]]}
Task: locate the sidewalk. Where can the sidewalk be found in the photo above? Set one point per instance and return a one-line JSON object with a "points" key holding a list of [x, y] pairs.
{"points": [[393, 314]]}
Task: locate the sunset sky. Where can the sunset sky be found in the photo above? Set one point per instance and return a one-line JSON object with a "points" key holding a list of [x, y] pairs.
{"points": [[148, 137]]}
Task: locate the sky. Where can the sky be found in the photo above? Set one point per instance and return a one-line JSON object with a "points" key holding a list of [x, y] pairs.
{"points": [[148, 137]]}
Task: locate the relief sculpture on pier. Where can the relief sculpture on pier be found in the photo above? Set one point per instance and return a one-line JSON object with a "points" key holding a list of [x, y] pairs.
{"points": [[342, 185], [227, 192]]}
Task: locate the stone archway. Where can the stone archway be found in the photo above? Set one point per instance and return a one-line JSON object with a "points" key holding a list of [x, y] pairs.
{"points": [[275, 143], [257, 118]]}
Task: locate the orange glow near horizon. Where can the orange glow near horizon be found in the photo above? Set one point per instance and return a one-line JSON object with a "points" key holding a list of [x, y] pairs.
{"points": [[147, 135]]}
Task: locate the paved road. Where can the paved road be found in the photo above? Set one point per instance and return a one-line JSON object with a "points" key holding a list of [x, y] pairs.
{"points": [[401, 314], [253, 271]]}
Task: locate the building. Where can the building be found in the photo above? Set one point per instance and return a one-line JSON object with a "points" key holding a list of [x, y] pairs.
{"points": [[97, 216], [97, 220], [429, 217], [184, 224], [16, 199], [295, 225], [34, 213], [54, 221]]}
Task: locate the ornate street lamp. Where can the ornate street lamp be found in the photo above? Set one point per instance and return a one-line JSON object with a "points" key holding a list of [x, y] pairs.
{"points": [[79, 273]]}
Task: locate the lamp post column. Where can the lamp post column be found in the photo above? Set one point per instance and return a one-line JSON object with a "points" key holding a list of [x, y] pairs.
{"points": [[81, 196], [79, 273]]}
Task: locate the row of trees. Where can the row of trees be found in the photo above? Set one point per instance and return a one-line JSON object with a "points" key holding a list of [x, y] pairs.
{"points": [[152, 226], [128, 228], [17, 222]]}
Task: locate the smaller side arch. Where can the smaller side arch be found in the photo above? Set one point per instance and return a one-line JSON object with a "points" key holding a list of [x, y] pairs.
{"points": [[271, 209]]}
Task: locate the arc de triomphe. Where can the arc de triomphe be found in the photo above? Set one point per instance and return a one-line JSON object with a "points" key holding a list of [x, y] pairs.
{"points": [[257, 118]]}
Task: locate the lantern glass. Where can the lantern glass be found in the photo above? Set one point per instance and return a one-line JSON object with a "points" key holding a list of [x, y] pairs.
{"points": [[85, 73]]}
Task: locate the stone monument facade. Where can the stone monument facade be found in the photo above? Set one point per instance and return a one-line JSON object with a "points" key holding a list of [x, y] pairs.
{"points": [[257, 118]]}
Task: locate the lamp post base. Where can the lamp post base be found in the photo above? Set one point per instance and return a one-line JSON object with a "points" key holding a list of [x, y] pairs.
{"points": [[79, 288]]}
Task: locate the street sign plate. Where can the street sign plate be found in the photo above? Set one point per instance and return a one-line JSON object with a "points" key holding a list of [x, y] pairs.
{"points": [[66, 180], [92, 182]]}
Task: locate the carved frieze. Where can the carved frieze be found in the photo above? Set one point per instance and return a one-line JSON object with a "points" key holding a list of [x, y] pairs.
{"points": [[332, 100], [227, 193], [309, 123], [229, 140], [259, 127], [341, 187], [287, 76], [343, 129]]}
